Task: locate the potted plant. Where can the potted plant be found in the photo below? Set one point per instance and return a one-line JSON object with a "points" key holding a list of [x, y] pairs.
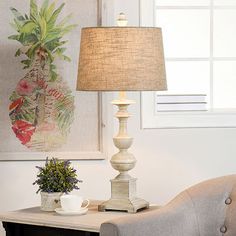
{"points": [[54, 179]]}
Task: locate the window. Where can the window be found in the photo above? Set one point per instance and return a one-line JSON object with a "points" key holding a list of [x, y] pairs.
{"points": [[200, 49]]}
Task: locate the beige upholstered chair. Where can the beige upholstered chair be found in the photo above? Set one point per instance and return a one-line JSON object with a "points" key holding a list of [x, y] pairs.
{"points": [[206, 209]]}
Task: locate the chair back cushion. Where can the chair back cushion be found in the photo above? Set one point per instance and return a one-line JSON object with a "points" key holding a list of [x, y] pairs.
{"points": [[215, 206]]}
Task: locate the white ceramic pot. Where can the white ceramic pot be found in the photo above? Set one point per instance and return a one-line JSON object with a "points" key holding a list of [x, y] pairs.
{"points": [[50, 201]]}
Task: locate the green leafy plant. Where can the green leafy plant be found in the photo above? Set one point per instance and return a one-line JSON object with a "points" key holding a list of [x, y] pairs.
{"points": [[41, 34], [56, 176]]}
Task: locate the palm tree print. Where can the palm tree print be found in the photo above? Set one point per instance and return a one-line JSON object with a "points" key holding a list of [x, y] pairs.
{"points": [[42, 105]]}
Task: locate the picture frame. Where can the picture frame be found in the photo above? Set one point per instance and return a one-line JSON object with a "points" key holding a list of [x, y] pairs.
{"points": [[87, 137]]}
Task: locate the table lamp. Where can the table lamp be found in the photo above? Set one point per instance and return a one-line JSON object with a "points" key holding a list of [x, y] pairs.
{"points": [[122, 59]]}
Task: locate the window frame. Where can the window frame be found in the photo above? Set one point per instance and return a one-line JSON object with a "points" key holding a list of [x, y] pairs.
{"points": [[213, 118]]}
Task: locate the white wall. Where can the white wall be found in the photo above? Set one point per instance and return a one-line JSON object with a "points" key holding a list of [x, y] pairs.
{"points": [[169, 160]]}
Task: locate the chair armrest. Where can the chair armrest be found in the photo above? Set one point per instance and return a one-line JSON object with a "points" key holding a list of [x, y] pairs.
{"points": [[175, 219]]}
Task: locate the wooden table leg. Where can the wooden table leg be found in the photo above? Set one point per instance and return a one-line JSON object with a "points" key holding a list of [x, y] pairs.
{"points": [[12, 231]]}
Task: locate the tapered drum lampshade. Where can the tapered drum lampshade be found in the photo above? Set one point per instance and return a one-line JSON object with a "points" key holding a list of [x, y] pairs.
{"points": [[121, 59]]}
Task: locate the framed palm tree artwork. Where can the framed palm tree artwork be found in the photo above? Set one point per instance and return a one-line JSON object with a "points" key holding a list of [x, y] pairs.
{"points": [[41, 114]]}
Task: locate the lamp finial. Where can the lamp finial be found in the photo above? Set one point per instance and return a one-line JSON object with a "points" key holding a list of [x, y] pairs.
{"points": [[122, 21]]}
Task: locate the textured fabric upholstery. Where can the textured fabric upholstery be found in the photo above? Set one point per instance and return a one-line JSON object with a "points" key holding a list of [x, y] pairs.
{"points": [[206, 209]]}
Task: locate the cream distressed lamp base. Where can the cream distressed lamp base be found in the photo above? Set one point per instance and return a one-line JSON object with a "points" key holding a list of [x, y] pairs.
{"points": [[123, 187], [123, 197]]}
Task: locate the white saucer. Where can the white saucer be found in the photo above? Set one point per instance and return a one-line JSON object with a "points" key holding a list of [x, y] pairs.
{"points": [[60, 211]]}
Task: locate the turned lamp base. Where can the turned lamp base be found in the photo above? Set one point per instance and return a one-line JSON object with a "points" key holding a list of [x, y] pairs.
{"points": [[123, 197], [123, 187]]}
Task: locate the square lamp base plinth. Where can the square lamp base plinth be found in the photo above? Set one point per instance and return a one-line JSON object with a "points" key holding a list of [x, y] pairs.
{"points": [[123, 197], [128, 205]]}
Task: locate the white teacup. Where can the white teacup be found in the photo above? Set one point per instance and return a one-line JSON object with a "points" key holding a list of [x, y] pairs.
{"points": [[71, 202]]}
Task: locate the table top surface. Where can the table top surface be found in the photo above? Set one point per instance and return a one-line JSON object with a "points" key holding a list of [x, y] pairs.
{"points": [[90, 222]]}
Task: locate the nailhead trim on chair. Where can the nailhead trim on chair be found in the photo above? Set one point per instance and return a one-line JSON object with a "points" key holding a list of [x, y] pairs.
{"points": [[223, 229], [228, 201]]}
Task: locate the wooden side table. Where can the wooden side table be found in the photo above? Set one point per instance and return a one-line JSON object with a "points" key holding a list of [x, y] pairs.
{"points": [[34, 222]]}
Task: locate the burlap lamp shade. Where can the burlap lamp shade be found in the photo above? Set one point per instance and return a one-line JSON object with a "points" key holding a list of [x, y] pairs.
{"points": [[121, 59]]}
